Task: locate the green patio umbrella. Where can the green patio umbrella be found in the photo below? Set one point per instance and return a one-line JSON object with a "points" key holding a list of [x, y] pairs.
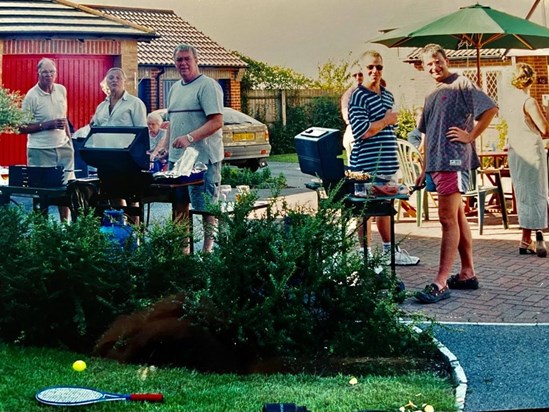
{"points": [[474, 27]]}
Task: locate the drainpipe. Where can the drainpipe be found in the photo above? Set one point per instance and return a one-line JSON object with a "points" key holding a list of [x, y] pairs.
{"points": [[157, 77]]}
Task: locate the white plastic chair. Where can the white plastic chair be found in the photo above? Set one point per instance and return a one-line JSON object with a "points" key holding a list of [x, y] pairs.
{"points": [[410, 160]]}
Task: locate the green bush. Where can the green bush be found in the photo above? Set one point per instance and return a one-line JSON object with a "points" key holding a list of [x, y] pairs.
{"points": [[59, 284], [63, 284], [261, 179], [406, 123], [320, 112], [293, 284], [288, 284], [11, 115]]}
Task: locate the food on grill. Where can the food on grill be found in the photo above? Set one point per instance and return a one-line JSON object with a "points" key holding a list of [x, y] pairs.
{"points": [[361, 176]]}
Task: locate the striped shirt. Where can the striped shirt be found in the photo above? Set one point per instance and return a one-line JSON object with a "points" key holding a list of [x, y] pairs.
{"points": [[376, 155]]}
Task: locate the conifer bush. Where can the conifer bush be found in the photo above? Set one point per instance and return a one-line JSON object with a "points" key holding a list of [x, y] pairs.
{"points": [[291, 283]]}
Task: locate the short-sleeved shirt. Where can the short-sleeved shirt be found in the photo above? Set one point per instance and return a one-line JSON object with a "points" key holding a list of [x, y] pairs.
{"points": [[456, 101], [128, 111], [154, 140], [43, 107], [189, 105], [377, 154]]}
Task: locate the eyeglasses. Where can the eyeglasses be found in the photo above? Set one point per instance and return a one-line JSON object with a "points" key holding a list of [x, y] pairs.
{"points": [[47, 72], [379, 67], [359, 74]]}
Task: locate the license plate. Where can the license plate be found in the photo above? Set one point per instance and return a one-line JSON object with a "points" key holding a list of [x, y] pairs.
{"points": [[243, 137]]}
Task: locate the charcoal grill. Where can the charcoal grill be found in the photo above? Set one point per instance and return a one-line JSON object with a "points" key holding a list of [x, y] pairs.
{"points": [[120, 156], [319, 153]]}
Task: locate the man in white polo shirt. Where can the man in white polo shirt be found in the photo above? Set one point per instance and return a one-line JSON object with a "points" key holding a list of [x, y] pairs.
{"points": [[49, 143]]}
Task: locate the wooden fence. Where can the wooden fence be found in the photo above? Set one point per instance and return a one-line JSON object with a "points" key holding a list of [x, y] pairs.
{"points": [[270, 105]]}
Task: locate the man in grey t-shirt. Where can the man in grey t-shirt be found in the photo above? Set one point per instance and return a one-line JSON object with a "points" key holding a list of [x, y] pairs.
{"points": [[195, 112], [454, 115]]}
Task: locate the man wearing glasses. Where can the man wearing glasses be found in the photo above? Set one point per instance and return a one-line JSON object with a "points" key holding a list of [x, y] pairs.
{"points": [[49, 138], [374, 151]]}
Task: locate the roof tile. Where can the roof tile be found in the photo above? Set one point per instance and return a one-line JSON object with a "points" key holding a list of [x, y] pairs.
{"points": [[63, 18], [173, 30]]}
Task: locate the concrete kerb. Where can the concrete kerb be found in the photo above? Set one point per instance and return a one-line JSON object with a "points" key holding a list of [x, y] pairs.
{"points": [[458, 374]]}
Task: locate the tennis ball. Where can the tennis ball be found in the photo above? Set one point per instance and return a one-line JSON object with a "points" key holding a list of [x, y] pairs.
{"points": [[79, 366]]}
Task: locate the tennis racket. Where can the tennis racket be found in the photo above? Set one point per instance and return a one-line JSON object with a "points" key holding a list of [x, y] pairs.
{"points": [[77, 395]]}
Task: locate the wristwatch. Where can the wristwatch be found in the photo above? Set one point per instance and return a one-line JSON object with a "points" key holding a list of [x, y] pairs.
{"points": [[190, 138]]}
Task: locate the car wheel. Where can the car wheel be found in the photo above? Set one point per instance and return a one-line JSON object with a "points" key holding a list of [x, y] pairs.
{"points": [[253, 165]]}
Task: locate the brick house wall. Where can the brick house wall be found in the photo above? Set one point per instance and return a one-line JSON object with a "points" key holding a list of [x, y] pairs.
{"points": [[539, 63]]}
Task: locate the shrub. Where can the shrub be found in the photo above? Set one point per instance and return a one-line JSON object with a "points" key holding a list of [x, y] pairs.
{"points": [[288, 284], [160, 267], [291, 284], [11, 115], [63, 284], [261, 179], [59, 284], [406, 123], [320, 112]]}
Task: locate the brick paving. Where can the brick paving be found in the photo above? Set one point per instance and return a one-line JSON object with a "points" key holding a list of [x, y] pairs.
{"points": [[513, 288]]}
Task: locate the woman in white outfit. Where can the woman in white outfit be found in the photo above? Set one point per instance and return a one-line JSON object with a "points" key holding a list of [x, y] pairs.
{"points": [[528, 126]]}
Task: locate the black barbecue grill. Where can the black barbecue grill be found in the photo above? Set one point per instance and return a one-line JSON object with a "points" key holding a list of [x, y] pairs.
{"points": [[319, 150], [120, 156], [319, 153]]}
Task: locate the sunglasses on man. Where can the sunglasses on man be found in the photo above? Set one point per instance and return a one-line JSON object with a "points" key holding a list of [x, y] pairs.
{"points": [[379, 67]]}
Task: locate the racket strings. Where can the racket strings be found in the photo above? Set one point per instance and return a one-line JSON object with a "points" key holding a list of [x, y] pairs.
{"points": [[69, 395]]}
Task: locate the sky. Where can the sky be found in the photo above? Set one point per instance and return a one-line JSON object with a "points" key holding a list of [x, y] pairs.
{"points": [[303, 34]]}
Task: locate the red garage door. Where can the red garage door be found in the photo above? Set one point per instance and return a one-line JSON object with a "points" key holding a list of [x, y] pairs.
{"points": [[81, 76]]}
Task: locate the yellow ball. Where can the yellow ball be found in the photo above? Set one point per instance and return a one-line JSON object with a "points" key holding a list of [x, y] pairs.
{"points": [[79, 366]]}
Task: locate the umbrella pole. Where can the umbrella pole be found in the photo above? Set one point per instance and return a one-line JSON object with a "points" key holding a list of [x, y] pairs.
{"points": [[478, 68], [480, 87]]}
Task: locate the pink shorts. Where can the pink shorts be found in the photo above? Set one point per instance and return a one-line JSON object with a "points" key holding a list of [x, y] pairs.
{"points": [[447, 183]]}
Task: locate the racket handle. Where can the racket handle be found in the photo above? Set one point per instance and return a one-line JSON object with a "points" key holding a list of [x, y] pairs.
{"points": [[149, 397]]}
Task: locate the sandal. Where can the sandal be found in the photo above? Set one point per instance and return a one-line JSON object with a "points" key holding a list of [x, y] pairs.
{"points": [[527, 249], [454, 282]]}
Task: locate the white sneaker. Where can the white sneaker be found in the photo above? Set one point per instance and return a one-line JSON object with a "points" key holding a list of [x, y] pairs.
{"points": [[377, 269], [403, 258]]}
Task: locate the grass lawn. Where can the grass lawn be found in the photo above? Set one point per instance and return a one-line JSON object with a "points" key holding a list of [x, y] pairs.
{"points": [[284, 158], [24, 371], [292, 158]]}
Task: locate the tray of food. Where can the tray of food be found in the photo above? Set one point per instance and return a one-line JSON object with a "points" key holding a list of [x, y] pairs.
{"points": [[170, 178]]}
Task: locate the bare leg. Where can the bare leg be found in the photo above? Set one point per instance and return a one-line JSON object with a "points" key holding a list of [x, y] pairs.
{"points": [[180, 214], [383, 224], [526, 237], [465, 246], [64, 213], [360, 233], [448, 209], [209, 223]]}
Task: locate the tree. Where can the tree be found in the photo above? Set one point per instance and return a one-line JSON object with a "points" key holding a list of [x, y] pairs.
{"points": [[11, 115], [335, 76], [260, 75]]}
